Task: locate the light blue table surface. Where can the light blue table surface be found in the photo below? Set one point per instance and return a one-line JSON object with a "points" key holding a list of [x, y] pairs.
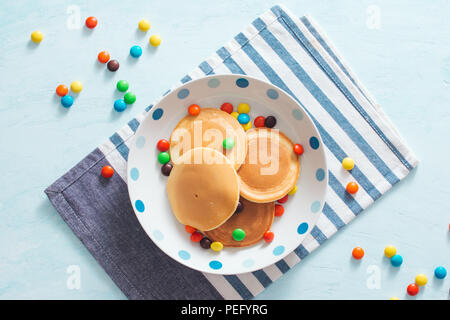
{"points": [[399, 49]]}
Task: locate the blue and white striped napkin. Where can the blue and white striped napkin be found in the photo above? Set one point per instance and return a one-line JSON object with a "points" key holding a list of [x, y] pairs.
{"points": [[296, 56]]}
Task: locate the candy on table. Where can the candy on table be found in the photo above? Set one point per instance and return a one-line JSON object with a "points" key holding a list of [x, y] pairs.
{"points": [[421, 279], [37, 36], [284, 199], [235, 114], [62, 90], [135, 51], [238, 234], [196, 236], [76, 86], [163, 157], [239, 208], [394, 298], [144, 25], [120, 105], [67, 101], [216, 246], [227, 107], [228, 143], [243, 118], [412, 289], [293, 191], [91, 22], [107, 171], [247, 126], [279, 210], [122, 85], [189, 229], [396, 260], [113, 65], [352, 187], [166, 169], [259, 122], [194, 110], [348, 163], [243, 108], [270, 122], [298, 149], [390, 251], [155, 40], [205, 243], [358, 253], [103, 57], [163, 145], [440, 272], [129, 97], [268, 236]]}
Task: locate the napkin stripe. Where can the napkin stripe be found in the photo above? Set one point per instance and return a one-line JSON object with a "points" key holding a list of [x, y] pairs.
{"points": [[239, 286]]}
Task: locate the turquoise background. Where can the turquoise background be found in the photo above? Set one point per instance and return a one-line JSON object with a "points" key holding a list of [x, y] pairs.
{"points": [[405, 64]]}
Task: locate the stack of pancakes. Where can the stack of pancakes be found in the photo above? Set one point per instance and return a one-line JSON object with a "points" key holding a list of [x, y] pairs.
{"points": [[207, 181]]}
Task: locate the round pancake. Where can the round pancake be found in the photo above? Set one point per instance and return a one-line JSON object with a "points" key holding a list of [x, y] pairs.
{"points": [[271, 167], [203, 189], [208, 129], [254, 219]]}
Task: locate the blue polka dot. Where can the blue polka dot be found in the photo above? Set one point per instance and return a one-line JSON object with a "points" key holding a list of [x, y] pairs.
{"points": [[134, 174], [183, 93], [214, 83], [139, 205], [214, 264], [315, 206], [320, 174], [242, 83], [140, 142], [272, 94], [314, 143], [278, 250], [248, 263], [297, 114], [184, 255], [302, 228], [157, 114], [158, 235]]}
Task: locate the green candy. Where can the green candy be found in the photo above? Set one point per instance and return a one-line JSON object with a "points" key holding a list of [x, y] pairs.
{"points": [[228, 143], [129, 98], [122, 85], [238, 234], [163, 157]]}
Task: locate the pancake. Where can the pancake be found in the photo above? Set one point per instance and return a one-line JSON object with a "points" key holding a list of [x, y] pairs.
{"points": [[271, 167], [203, 189], [254, 219], [208, 129]]}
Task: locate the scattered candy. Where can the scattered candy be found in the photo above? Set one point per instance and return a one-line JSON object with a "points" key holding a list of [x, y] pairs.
{"points": [[163, 145], [144, 25], [194, 110], [259, 122], [235, 114], [412, 289], [396, 260], [135, 51], [216, 246], [348, 163], [284, 199], [122, 85], [91, 22], [103, 57], [243, 118], [62, 90], [113, 65], [205, 243], [440, 272], [76, 86], [163, 157], [155, 40], [120, 105], [107, 171], [228, 143], [298, 149], [129, 97], [227, 107], [358, 253], [238, 234], [190, 229], [243, 108], [293, 191], [279, 210], [196, 236], [270, 122], [390, 251], [67, 101], [268, 236], [421, 279], [247, 126], [37, 36], [239, 207], [352, 187], [166, 169]]}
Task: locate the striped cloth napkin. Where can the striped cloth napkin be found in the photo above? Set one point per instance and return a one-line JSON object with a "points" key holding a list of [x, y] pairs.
{"points": [[296, 56]]}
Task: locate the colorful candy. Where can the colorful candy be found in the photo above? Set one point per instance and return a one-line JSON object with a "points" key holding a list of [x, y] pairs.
{"points": [[113, 65], [284, 199], [412, 289], [76, 86], [239, 207], [394, 298], [216, 246], [190, 229], [62, 90], [348, 163], [293, 191], [268, 236], [166, 169], [243, 108], [358, 253], [107, 172], [135, 51], [396, 260], [120, 105], [129, 97], [227, 107], [196, 236], [163, 145], [235, 114], [390, 251], [103, 57], [440, 272], [194, 110], [238, 234], [270, 122], [163, 157], [37, 36], [279, 210], [91, 22], [67, 101], [155, 40], [243, 118], [298, 149], [352, 187], [122, 85], [247, 126], [421, 279], [205, 243], [144, 25], [259, 122], [228, 143]]}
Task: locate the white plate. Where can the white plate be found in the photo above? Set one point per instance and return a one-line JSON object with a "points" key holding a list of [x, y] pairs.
{"points": [[147, 186]]}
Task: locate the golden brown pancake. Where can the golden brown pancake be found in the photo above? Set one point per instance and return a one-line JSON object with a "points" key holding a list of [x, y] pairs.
{"points": [[254, 219], [203, 189], [271, 167], [208, 129]]}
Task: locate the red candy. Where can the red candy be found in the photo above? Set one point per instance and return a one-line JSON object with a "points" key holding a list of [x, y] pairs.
{"points": [[259, 122], [196, 236], [352, 187], [91, 22], [163, 145], [268, 236], [284, 199], [107, 171], [103, 57], [298, 149], [412, 289], [227, 107], [190, 229], [194, 109], [62, 90], [358, 253], [279, 210]]}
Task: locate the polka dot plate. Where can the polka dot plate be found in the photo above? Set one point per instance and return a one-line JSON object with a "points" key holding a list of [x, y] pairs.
{"points": [[147, 186]]}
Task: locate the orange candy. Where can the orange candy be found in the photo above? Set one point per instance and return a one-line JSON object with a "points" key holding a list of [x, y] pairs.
{"points": [[62, 90], [298, 149], [107, 171], [196, 236], [279, 210], [194, 109], [190, 229], [268, 236], [358, 253], [91, 22], [103, 57], [352, 187]]}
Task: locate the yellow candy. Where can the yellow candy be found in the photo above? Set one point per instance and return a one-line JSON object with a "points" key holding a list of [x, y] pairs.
{"points": [[348, 163], [155, 40], [243, 108], [76, 86], [421, 279], [390, 251], [216, 246], [37, 36], [394, 298], [247, 126], [293, 191], [144, 25], [235, 114]]}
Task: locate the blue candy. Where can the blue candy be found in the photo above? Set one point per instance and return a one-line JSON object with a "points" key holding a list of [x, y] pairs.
{"points": [[243, 118], [67, 101], [396, 260], [440, 272], [136, 51], [120, 105]]}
